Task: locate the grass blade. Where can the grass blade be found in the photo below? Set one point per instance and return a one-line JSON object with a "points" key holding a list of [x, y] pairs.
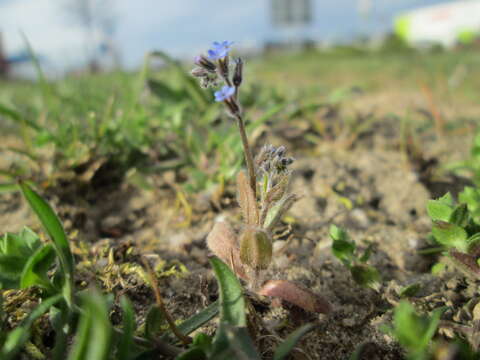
{"points": [[189, 83], [285, 347], [17, 118], [94, 331], [125, 347], [196, 321], [54, 228]]}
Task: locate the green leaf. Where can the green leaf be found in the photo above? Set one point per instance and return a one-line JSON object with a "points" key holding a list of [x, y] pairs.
{"points": [[342, 248], [239, 343], [163, 91], [54, 228], [232, 303], [198, 320], [19, 336], [188, 82], [126, 345], [413, 331], [232, 311], [93, 337], [286, 346], [154, 322], [410, 290], [459, 215], [192, 354], [17, 118], [450, 235], [365, 275], [338, 234], [440, 209], [35, 270], [16, 251]]}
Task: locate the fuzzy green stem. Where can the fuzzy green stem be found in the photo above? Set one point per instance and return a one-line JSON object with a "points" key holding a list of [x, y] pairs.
{"points": [[248, 154]]}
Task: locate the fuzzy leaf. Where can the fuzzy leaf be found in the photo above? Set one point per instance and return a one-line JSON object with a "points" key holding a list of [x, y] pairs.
{"points": [[276, 213], [365, 275], [223, 243], [246, 200], [459, 215], [294, 294], [256, 248], [232, 310], [232, 303], [439, 210], [450, 235]]}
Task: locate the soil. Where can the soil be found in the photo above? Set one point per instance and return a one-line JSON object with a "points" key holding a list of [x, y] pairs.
{"points": [[369, 186]]}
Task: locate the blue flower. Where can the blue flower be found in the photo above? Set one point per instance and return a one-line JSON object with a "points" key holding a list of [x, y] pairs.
{"points": [[219, 50], [225, 93]]}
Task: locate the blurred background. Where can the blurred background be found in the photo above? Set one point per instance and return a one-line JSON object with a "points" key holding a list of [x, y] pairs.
{"points": [[71, 35], [95, 85]]}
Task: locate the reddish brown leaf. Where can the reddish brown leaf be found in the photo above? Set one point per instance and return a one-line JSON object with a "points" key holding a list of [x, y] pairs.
{"points": [[223, 243], [293, 293]]}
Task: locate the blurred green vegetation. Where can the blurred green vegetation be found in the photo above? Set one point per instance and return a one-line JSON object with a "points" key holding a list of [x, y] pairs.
{"points": [[158, 118]]}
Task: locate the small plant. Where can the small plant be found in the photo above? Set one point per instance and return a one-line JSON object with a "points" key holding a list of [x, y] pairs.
{"points": [[415, 332], [457, 228], [262, 192], [345, 250]]}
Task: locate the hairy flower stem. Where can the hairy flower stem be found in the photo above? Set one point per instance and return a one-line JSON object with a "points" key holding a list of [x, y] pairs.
{"points": [[248, 154]]}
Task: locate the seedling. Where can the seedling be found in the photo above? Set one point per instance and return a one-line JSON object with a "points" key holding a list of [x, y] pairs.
{"points": [[415, 332], [346, 251], [262, 192], [457, 228]]}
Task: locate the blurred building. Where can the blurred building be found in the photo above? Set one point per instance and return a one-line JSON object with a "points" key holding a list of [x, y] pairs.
{"points": [[444, 24]]}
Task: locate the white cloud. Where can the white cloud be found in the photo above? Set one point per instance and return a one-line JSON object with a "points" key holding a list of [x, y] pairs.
{"points": [[42, 22]]}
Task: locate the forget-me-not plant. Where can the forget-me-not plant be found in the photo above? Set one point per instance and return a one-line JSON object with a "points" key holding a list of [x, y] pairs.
{"points": [[249, 250]]}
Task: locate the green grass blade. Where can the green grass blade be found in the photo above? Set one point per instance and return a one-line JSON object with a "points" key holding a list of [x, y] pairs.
{"points": [[17, 118], [198, 320], [35, 270], [125, 346], [19, 336], [232, 303], [285, 347], [93, 338], [189, 82], [54, 228]]}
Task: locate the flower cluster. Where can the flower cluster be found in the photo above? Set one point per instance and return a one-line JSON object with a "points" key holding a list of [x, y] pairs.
{"points": [[214, 68], [263, 203]]}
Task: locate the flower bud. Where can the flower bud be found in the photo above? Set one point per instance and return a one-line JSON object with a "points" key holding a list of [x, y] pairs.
{"points": [[238, 74], [199, 72], [256, 248], [204, 63]]}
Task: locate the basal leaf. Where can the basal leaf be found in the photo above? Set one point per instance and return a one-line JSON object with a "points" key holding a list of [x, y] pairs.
{"points": [[35, 270], [54, 228]]}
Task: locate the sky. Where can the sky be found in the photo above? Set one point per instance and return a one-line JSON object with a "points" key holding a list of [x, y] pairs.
{"points": [[182, 27]]}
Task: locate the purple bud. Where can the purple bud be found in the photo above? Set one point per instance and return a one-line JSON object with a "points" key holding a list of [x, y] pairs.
{"points": [[238, 74]]}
